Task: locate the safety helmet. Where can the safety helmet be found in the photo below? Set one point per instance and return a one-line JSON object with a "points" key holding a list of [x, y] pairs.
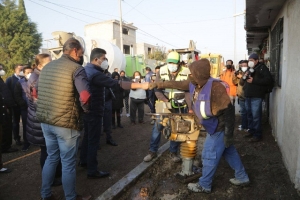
{"points": [[173, 57]]}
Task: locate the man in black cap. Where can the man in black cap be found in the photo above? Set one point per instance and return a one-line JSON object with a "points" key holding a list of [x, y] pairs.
{"points": [[255, 81]]}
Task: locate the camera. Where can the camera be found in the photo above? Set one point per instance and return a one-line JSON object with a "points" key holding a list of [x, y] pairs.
{"points": [[248, 73], [238, 72]]}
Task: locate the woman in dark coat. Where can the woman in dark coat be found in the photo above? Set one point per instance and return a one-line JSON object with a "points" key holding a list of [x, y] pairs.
{"points": [[117, 102], [34, 131]]}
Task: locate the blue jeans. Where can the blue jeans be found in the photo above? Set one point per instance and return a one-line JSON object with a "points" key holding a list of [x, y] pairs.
{"points": [[61, 144], [156, 134], [243, 112], [90, 142], [254, 108], [213, 149]]}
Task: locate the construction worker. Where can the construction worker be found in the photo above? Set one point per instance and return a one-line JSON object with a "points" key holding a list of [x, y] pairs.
{"points": [[173, 71], [212, 106]]}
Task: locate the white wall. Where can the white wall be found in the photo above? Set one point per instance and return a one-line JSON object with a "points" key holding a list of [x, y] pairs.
{"points": [[285, 101]]}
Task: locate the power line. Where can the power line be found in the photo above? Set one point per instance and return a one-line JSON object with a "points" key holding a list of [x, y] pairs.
{"points": [[58, 11], [156, 23], [80, 9], [145, 33], [188, 22], [65, 7], [133, 8]]}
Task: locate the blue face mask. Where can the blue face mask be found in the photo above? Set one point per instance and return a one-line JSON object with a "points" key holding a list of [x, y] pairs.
{"points": [[172, 67]]}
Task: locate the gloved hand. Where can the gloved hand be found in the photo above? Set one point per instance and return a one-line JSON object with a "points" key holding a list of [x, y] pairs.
{"points": [[152, 86], [160, 84]]}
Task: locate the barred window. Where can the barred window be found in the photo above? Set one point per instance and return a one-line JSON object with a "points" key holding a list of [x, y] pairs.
{"points": [[276, 54]]}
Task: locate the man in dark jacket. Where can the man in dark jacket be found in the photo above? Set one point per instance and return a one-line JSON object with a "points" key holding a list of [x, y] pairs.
{"points": [[255, 82], [11, 83], [93, 119], [8, 103], [2, 115], [22, 101]]}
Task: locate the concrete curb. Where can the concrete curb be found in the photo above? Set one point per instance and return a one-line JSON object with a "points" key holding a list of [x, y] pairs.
{"points": [[116, 190]]}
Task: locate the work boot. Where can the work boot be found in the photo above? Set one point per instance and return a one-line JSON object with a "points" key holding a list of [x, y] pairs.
{"points": [[236, 182], [175, 158], [195, 187], [150, 156]]}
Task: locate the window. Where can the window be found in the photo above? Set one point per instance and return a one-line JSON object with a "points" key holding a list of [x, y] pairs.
{"points": [[276, 53], [126, 49], [125, 31], [149, 50]]}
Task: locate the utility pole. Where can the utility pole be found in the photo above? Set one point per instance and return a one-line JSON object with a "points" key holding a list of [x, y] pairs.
{"points": [[234, 51], [121, 29]]}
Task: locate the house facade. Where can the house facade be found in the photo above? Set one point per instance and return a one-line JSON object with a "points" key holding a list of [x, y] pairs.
{"points": [[273, 31]]}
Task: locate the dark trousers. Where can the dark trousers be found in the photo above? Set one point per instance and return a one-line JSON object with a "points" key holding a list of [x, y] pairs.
{"points": [[136, 104], [107, 119], [7, 130], [90, 142], [24, 123], [151, 100], [16, 122], [1, 164], [43, 158], [114, 113]]}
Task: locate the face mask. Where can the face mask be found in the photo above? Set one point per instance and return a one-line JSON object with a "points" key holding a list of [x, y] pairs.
{"points": [[104, 65], [172, 67], [2, 72], [251, 70], [80, 62], [28, 76], [244, 69], [251, 64], [21, 74], [228, 66]]}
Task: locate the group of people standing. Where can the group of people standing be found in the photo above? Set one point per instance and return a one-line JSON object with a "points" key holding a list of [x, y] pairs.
{"points": [[54, 104]]}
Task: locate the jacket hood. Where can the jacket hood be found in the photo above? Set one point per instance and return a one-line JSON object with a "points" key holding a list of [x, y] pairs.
{"points": [[200, 71]]}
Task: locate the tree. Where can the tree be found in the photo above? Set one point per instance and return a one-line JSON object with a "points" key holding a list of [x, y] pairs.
{"points": [[159, 53], [19, 39]]}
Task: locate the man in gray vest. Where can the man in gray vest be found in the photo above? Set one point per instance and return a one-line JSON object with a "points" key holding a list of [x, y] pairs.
{"points": [[63, 96]]}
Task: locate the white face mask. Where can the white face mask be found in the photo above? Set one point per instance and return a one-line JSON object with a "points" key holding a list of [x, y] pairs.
{"points": [[2, 72], [104, 65], [21, 74], [137, 77], [251, 64], [172, 67], [28, 76], [244, 69]]}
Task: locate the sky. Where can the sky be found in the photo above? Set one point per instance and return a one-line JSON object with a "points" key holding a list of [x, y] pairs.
{"points": [[168, 23]]}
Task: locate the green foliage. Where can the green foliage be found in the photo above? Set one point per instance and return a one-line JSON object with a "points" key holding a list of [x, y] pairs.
{"points": [[158, 54], [19, 39]]}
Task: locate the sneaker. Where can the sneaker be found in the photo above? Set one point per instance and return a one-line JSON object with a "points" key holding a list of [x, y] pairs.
{"points": [[25, 147], [150, 156], [195, 187], [152, 122], [127, 114], [4, 170], [240, 126], [175, 158], [236, 182]]}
